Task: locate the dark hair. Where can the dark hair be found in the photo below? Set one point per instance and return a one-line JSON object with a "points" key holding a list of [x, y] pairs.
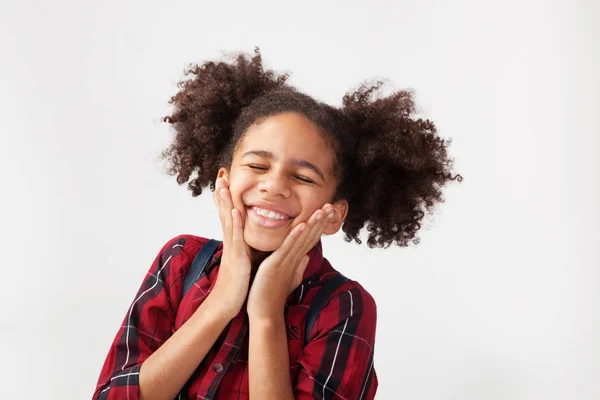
{"points": [[389, 167]]}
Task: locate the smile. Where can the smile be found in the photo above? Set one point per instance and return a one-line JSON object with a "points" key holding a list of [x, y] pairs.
{"points": [[267, 218], [268, 213]]}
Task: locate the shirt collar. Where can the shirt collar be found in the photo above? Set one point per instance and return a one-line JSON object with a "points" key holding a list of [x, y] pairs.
{"points": [[316, 260]]}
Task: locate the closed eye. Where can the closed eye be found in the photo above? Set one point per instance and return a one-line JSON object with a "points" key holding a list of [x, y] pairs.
{"points": [[259, 167], [263, 168], [304, 179]]}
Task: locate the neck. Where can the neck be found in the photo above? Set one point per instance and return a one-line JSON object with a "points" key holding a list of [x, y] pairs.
{"points": [[257, 257]]}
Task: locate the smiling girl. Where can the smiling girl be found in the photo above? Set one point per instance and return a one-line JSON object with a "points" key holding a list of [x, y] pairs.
{"points": [[285, 170]]}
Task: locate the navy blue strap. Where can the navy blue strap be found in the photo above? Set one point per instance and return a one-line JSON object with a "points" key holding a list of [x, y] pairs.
{"points": [[198, 265], [317, 304]]}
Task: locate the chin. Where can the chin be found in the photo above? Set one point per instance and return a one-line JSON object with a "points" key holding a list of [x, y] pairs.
{"points": [[262, 242]]}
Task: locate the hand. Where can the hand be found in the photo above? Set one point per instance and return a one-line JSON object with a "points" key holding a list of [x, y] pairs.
{"points": [[280, 273], [233, 280]]}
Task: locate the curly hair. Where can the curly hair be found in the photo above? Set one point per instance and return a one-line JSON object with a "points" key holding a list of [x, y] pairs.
{"points": [[389, 166]]}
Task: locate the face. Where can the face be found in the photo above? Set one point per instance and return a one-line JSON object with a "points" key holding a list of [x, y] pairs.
{"points": [[281, 173]]}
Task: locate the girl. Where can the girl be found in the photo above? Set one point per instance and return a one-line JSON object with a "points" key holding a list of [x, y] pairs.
{"points": [[285, 169]]}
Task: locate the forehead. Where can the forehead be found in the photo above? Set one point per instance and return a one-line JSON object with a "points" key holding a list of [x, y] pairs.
{"points": [[289, 136]]}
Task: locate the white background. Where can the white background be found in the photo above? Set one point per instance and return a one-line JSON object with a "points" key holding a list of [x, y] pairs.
{"points": [[499, 301]]}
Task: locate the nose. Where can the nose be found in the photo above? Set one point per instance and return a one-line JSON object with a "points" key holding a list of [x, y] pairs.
{"points": [[273, 184]]}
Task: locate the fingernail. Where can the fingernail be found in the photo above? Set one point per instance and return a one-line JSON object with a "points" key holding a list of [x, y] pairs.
{"points": [[319, 216]]}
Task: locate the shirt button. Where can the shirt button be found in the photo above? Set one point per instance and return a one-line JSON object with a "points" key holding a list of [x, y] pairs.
{"points": [[218, 368]]}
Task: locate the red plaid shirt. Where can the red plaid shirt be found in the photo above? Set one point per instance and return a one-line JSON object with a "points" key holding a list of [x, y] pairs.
{"points": [[336, 364]]}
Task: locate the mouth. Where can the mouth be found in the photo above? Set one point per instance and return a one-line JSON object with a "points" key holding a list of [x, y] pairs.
{"points": [[267, 218]]}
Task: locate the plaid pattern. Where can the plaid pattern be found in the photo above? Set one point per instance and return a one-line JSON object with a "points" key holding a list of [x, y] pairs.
{"points": [[336, 364]]}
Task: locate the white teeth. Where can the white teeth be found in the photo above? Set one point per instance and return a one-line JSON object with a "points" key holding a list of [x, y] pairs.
{"points": [[268, 213]]}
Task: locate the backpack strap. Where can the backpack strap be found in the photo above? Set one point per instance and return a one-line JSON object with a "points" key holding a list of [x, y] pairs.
{"points": [[319, 301], [198, 265]]}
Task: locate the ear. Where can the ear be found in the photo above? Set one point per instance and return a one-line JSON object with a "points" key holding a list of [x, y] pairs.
{"points": [[223, 173], [340, 211]]}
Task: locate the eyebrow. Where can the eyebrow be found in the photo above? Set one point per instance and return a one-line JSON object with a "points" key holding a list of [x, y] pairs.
{"points": [[296, 161]]}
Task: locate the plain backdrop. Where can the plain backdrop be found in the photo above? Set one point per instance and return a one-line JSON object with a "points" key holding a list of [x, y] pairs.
{"points": [[498, 301]]}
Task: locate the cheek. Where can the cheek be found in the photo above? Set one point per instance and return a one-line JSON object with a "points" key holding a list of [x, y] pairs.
{"points": [[237, 196], [237, 189], [311, 205], [236, 200], [238, 203], [239, 186]]}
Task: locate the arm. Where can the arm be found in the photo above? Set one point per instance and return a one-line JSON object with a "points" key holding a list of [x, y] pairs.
{"points": [[268, 360], [145, 360], [277, 276], [167, 370], [336, 364]]}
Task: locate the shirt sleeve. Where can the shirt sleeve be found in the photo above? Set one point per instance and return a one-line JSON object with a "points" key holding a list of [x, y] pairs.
{"points": [[337, 364], [148, 323]]}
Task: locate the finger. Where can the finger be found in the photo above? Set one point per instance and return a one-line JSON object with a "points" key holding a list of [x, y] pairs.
{"points": [[322, 218], [223, 185], [287, 246], [297, 244], [330, 213], [322, 214], [302, 237], [225, 196], [298, 239], [219, 184], [216, 194], [225, 213], [330, 216], [315, 223], [237, 236], [219, 203]]}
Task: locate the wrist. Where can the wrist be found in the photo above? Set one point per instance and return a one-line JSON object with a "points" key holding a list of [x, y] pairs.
{"points": [[266, 321], [219, 308]]}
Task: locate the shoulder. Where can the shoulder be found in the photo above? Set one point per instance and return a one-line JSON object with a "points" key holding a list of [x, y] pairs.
{"points": [[183, 243], [346, 326], [351, 309], [351, 298], [181, 249], [348, 299]]}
